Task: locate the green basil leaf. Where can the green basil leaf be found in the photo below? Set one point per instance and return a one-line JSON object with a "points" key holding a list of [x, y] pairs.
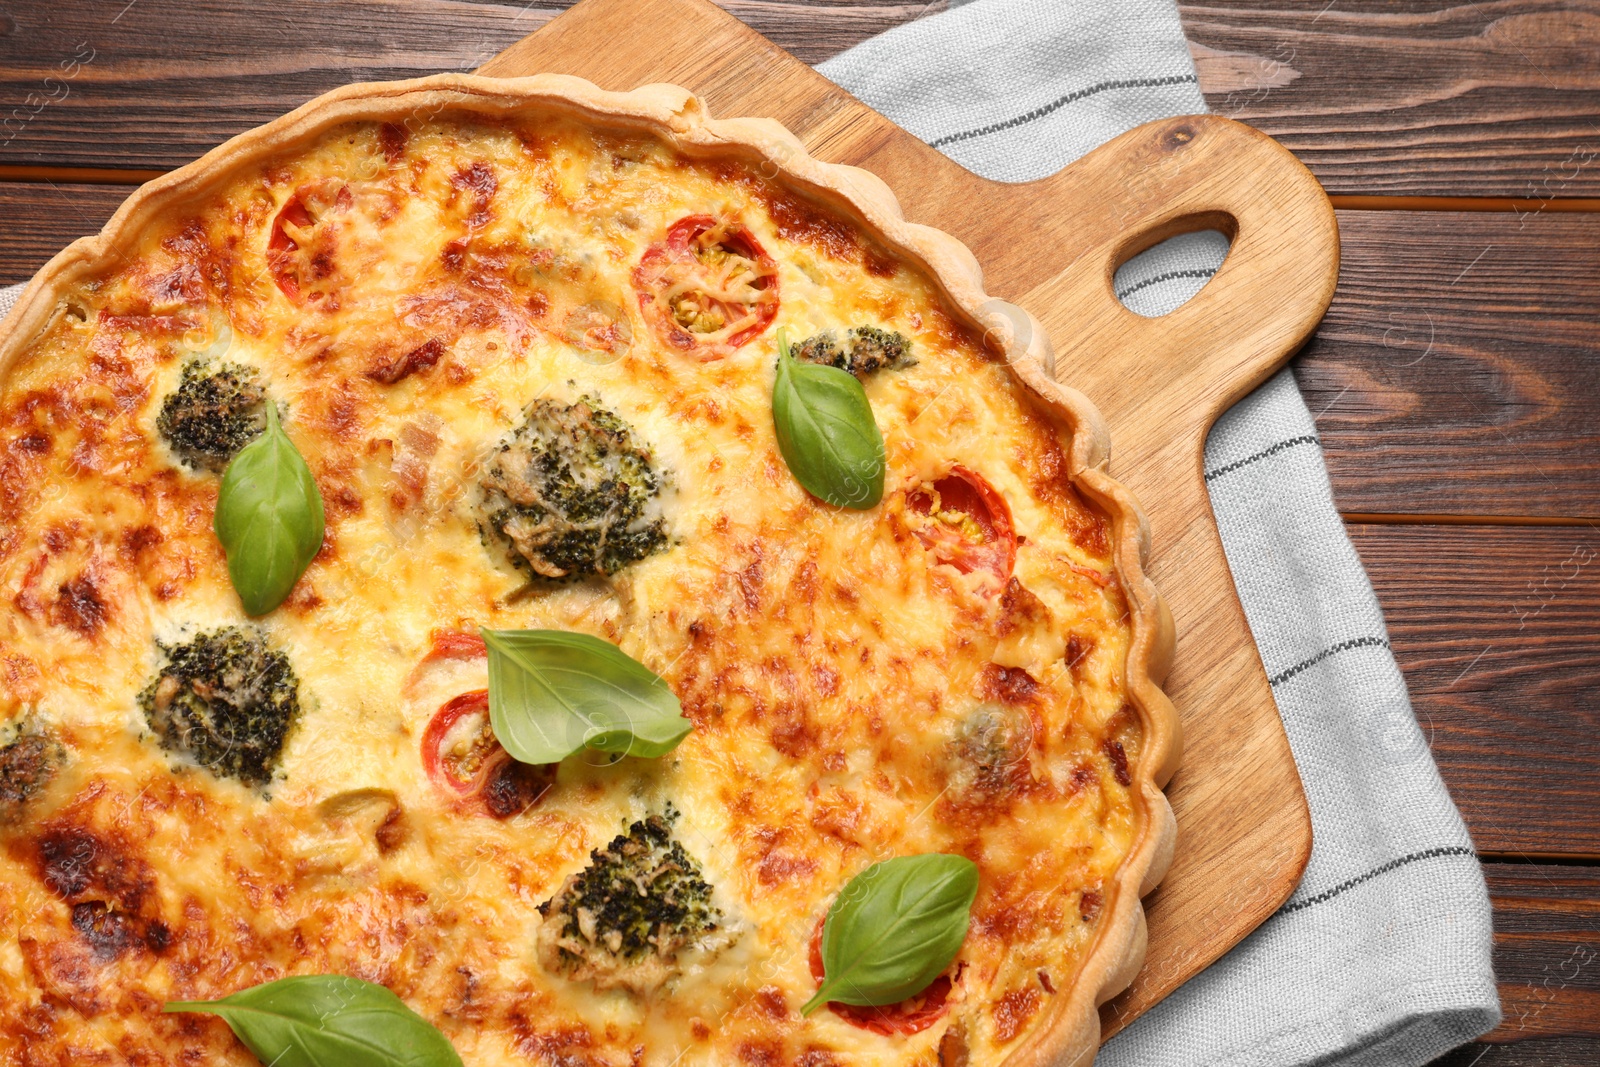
{"points": [[895, 928], [826, 432], [269, 518], [553, 693], [328, 1020]]}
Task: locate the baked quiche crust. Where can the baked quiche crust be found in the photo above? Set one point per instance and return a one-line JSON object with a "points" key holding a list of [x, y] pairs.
{"points": [[1055, 1023]]}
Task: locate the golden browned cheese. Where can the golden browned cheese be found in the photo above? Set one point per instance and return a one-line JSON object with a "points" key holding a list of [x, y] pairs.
{"points": [[835, 671]]}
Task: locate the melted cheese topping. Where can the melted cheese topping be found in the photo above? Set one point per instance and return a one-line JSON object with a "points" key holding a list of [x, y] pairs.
{"points": [[835, 671]]}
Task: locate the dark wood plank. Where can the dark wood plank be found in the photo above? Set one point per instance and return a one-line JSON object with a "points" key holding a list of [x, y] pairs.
{"points": [[1494, 628], [1378, 97], [41, 218], [1547, 950], [1565, 1052], [155, 84], [1457, 370], [1480, 99], [90, 84], [1547, 960]]}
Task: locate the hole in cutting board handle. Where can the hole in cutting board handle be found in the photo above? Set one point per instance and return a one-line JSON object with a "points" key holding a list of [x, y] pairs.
{"points": [[1164, 268]]}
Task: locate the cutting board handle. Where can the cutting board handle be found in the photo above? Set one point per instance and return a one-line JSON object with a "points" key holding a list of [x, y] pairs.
{"points": [[1174, 176], [1161, 383]]}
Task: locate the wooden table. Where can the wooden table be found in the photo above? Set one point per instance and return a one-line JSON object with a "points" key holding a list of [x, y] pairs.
{"points": [[1455, 381]]}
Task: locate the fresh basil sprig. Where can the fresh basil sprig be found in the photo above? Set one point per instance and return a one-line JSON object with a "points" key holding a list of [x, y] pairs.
{"points": [[269, 518], [826, 432], [553, 693], [895, 928], [328, 1020]]}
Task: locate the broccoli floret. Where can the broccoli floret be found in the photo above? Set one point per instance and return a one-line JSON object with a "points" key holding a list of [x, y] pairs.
{"points": [[225, 700], [217, 409], [989, 758], [623, 920], [27, 765], [873, 348], [572, 494], [865, 349]]}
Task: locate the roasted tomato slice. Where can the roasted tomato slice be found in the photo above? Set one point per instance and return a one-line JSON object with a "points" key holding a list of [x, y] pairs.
{"points": [[298, 247], [462, 757], [707, 287], [910, 1016], [454, 644], [167, 325], [965, 522], [445, 646]]}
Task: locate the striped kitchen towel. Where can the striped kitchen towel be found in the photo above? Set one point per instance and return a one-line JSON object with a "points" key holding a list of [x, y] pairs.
{"points": [[1382, 956]]}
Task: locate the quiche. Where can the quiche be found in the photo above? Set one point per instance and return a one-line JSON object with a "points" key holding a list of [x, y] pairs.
{"points": [[524, 335]]}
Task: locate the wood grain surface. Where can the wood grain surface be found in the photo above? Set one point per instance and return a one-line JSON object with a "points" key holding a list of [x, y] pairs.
{"points": [[1377, 97], [1382, 98], [156, 86], [1480, 99], [42, 218], [1575, 1052], [1547, 950], [1458, 370], [1504, 672]]}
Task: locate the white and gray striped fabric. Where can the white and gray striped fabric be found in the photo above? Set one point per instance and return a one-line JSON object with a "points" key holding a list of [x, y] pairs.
{"points": [[1382, 956]]}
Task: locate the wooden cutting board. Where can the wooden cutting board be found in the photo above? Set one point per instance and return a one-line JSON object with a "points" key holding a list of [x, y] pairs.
{"points": [[1052, 246]]}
